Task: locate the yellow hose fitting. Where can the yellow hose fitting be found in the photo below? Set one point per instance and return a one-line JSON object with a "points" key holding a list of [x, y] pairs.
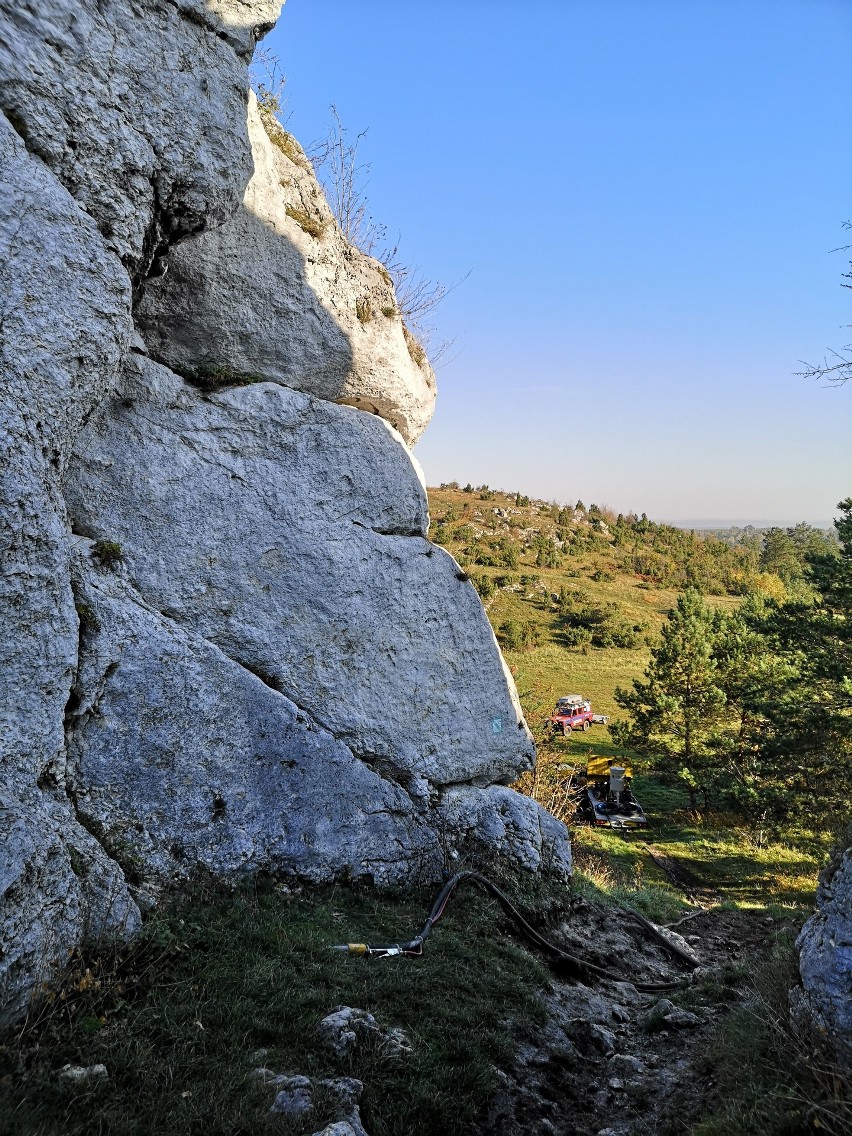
{"points": [[357, 948]]}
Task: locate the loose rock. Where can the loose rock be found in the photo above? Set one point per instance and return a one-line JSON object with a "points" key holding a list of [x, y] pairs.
{"points": [[294, 1097], [83, 1074]]}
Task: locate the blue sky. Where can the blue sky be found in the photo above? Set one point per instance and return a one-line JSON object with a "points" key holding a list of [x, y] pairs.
{"points": [[645, 193]]}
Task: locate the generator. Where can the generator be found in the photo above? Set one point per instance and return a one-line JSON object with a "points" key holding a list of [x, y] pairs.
{"points": [[606, 798]]}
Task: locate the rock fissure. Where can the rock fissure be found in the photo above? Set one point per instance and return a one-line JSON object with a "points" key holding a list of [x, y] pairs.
{"points": [[391, 531]]}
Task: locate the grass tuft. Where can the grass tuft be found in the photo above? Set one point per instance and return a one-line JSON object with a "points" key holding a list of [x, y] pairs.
{"points": [[313, 225], [364, 309], [415, 348], [212, 377], [775, 1078], [109, 553], [284, 140]]}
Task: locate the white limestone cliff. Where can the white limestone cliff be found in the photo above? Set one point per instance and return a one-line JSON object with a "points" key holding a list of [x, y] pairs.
{"points": [[278, 292], [273, 669]]}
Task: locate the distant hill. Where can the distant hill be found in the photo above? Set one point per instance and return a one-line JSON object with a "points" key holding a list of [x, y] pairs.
{"points": [[722, 524]]}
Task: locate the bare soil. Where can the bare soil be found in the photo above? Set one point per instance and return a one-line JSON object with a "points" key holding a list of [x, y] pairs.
{"points": [[613, 1061]]}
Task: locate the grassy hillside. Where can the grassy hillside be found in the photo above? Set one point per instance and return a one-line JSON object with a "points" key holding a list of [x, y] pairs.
{"points": [[520, 553], [544, 572]]}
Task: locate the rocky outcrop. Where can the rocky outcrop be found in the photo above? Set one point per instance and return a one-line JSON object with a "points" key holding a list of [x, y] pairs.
{"points": [[138, 109], [825, 960], [108, 154], [282, 673], [289, 532], [64, 325], [278, 292], [227, 645]]}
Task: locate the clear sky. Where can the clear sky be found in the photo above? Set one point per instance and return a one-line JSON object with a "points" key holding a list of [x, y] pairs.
{"points": [[645, 193]]}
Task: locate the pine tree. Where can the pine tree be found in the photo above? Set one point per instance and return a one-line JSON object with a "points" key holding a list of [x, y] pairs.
{"points": [[803, 740], [674, 713]]}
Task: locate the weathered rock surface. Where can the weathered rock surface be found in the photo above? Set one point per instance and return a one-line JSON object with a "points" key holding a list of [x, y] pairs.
{"points": [[86, 178], [139, 109], [281, 672], [288, 531], [825, 959], [64, 324], [182, 759], [284, 674], [279, 292]]}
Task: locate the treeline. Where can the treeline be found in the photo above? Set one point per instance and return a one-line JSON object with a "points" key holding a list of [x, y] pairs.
{"points": [[525, 533], [680, 558], [753, 709]]}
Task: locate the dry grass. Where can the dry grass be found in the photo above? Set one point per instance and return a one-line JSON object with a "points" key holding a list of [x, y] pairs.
{"points": [[364, 309], [415, 348], [776, 1077], [284, 141], [313, 225]]}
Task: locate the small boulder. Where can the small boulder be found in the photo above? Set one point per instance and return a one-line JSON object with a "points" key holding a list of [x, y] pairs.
{"points": [[342, 1128], [664, 1014], [590, 1038], [82, 1074], [294, 1097], [682, 1019], [625, 1065]]}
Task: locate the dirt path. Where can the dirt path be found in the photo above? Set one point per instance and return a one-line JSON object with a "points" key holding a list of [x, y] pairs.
{"points": [[682, 877], [611, 1061]]}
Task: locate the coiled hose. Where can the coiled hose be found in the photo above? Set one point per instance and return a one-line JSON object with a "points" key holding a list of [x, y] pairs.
{"points": [[414, 947]]}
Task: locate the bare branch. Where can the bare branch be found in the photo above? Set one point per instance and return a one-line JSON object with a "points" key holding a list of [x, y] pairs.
{"points": [[268, 82], [345, 179], [836, 373]]}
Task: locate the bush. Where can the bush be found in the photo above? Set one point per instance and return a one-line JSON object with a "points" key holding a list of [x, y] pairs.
{"points": [[484, 585], [506, 581], [510, 557], [577, 636], [108, 552], [519, 635]]}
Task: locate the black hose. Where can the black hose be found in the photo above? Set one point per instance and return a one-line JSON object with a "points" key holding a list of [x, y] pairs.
{"points": [[415, 946]]}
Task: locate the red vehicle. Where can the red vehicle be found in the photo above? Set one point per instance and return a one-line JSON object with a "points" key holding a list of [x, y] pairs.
{"points": [[573, 712]]}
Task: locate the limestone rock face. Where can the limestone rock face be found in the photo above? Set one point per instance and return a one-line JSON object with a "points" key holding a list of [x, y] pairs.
{"points": [[825, 958], [183, 759], [277, 670], [289, 532], [93, 172], [139, 109], [278, 292], [64, 325]]}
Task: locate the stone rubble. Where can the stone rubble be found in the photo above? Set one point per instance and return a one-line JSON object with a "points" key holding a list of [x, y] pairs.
{"points": [[347, 1028]]}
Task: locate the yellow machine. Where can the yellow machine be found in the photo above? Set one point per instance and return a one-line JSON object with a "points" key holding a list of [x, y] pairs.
{"points": [[607, 798]]}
